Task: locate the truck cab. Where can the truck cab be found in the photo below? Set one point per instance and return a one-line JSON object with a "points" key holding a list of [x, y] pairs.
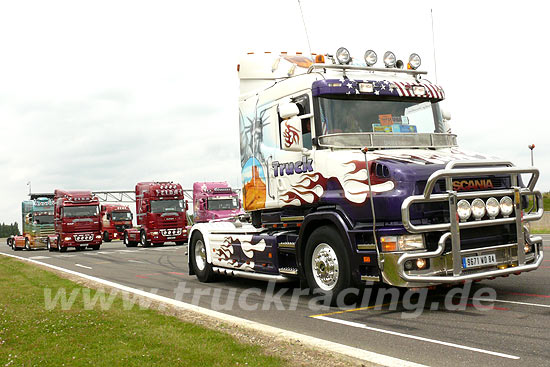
{"points": [[214, 201], [76, 221], [161, 215], [352, 175], [114, 220], [37, 219]]}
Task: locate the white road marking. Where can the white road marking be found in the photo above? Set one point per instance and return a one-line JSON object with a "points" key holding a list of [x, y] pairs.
{"points": [[103, 252], [312, 342], [64, 255], [453, 345], [39, 257], [126, 250], [137, 261], [82, 266], [513, 302], [163, 249]]}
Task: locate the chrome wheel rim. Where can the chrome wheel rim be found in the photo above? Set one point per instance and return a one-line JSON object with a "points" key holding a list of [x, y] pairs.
{"points": [[200, 255], [324, 264]]}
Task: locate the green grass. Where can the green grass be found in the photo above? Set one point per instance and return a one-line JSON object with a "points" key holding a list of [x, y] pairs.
{"points": [[31, 335], [546, 200], [540, 231]]}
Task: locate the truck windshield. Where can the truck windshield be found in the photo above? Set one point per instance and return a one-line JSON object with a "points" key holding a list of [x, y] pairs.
{"points": [[46, 218], [122, 216], [164, 206], [222, 204], [80, 211], [344, 115], [351, 120]]}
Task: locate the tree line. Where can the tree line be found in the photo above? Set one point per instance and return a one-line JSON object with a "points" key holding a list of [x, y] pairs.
{"points": [[7, 230]]}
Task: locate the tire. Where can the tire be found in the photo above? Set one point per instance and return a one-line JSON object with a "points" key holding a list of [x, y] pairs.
{"points": [[95, 247], [27, 244], [201, 267], [127, 241], [49, 245], [13, 247], [180, 243], [106, 237], [59, 247], [327, 267], [143, 239]]}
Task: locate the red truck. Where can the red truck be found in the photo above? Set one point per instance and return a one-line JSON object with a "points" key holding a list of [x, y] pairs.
{"points": [[161, 215], [76, 221], [115, 219]]}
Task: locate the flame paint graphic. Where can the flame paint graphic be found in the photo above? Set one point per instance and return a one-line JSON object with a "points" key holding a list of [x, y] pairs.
{"points": [[306, 191], [351, 175]]}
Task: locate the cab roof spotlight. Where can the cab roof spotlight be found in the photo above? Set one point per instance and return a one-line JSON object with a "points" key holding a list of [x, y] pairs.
{"points": [[343, 56], [370, 58], [414, 62], [389, 59]]}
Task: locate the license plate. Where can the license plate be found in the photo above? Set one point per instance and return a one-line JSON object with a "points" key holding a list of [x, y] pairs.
{"points": [[170, 238], [483, 260], [83, 244]]}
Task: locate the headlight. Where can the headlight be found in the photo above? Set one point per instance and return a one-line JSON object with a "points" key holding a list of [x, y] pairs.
{"points": [[414, 61], [506, 206], [67, 239], [464, 210], [389, 59], [478, 208], [343, 56], [370, 58], [402, 243], [154, 233], [492, 207]]}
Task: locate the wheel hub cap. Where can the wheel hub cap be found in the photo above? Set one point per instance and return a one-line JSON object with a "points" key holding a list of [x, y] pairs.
{"points": [[200, 255], [325, 266]]}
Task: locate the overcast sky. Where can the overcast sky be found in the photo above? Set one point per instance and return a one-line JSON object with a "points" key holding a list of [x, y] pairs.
{"points": [[103, 94]]}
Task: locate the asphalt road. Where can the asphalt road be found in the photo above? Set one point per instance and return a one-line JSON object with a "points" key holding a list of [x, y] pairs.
{"points": [[510, 331]]}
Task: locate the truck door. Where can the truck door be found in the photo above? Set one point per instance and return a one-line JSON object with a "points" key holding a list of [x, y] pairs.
{"points": [[293, 162]]}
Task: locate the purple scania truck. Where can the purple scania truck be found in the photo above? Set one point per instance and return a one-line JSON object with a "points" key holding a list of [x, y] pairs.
{"points": [[351, 175]]}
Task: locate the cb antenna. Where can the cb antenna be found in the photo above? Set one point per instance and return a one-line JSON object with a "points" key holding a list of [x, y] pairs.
{"points": [[433, 43], [305, 28]]}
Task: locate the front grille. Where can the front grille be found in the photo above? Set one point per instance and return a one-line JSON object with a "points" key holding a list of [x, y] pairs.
{"points": [[122, 227], [477, 238]]}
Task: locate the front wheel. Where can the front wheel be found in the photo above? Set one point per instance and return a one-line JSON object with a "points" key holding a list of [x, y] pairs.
{"points": [[179, 243], [143, 238], [27, 244], [326, 264], [127, 241], [49, 245], [201, 267], [106, 237], [95, 247]]}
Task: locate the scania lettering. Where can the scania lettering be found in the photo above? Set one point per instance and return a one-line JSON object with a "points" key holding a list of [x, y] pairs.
{"points": [[161, 215], [114, 220], [351, 175], [76, 221], [37, 219]]}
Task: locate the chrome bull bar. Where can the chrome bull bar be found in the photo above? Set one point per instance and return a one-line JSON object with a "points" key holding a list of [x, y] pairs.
{"points": [[456, 169]]}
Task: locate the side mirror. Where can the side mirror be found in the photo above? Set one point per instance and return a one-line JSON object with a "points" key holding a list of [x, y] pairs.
{"points": [[186, 205], [291, 134], [446, 115], [288, 110]]}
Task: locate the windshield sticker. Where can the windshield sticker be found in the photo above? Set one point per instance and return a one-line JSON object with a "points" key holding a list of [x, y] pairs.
{"points": [[386, 120]]}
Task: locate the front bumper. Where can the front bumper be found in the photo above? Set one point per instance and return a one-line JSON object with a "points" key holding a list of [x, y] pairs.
{"points": [[440, 270], [447, 267]]}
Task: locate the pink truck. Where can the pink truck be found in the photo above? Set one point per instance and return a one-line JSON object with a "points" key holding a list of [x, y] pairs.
{"points": [[214, 200]]}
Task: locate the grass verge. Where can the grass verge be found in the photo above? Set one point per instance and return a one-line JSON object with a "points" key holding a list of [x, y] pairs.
{"points": [[30, 334]]}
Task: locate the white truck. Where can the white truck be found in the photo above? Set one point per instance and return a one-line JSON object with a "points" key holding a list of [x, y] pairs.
{"points": [[351, 174]]}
